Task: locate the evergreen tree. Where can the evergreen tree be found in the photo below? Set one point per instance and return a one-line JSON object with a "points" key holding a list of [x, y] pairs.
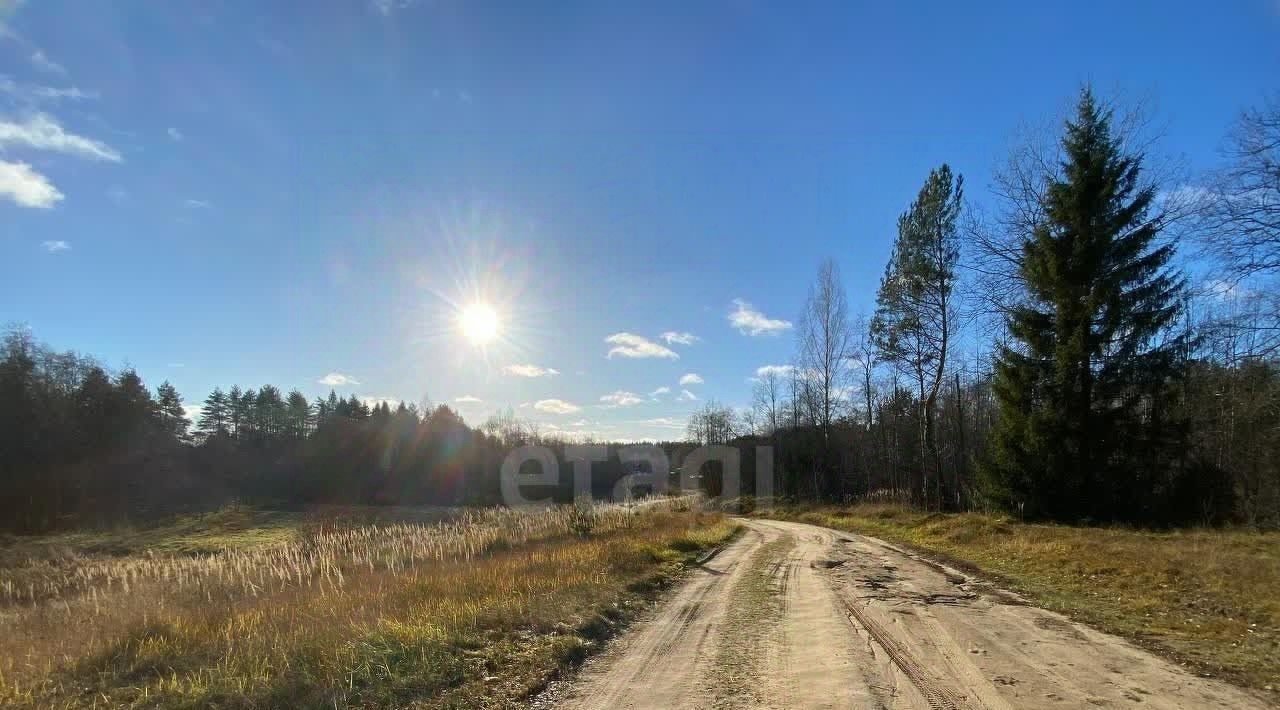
{"points": [[215, 416], [298, 415], [134, 410], [235, 411], [246, 409], [93, 408], [1080, 391], [269, 412], [320, 412], [173, 418], [915, 309]]}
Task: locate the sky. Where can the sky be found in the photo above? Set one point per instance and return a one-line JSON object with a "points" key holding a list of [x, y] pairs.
{"points": [[308, 195]]}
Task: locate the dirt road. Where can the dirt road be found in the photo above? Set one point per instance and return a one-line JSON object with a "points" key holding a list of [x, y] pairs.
{"points": [[796, 616]]}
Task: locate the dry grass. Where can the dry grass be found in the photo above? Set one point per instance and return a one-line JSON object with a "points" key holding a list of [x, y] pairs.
{"points": [[470, 613], [1207, 598]]}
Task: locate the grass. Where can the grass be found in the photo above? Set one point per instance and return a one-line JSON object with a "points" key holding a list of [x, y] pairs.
{"points": [[196, 534], [1209, 599], [231, 528], [478, 612], [747, 624]]}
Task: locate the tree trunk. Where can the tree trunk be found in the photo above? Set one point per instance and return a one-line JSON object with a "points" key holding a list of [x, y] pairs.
{"points": [[962, 457]]}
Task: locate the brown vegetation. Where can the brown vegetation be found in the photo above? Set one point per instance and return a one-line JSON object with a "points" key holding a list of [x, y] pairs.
{"points": [[477, 612]]}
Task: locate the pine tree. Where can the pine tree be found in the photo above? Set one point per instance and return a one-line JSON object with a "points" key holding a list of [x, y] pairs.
{"points": [[245, 408], [915, 308], [235, 411], [173, 417], [269, 412], [215, 416], [1080, 391], [298, 414], [133, 409], [320, 409]]}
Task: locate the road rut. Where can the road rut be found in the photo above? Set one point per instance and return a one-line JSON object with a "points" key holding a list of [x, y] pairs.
{"points": [[797, 616]]}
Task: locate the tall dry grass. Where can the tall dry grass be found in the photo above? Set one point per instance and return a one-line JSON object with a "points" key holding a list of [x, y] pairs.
{"points": [[367, 615]]}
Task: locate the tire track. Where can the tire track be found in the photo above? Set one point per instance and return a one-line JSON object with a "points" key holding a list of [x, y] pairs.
{"points": [[794, 616], [936, 692]]}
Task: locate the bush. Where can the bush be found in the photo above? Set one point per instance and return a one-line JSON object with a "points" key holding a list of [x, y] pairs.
{"points": [[582, 519]]}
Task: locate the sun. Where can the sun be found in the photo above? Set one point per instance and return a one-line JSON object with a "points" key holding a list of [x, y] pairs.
{"points": [[479, 323]]}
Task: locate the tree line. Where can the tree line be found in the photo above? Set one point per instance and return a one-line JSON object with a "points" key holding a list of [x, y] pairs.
{"points": [[82, 446], [1051, 357]]}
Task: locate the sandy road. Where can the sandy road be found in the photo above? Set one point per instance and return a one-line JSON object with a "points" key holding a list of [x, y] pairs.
{"points": [[796, 616]]}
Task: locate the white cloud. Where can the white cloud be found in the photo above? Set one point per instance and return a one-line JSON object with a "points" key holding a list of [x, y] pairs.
{"points": [[53, 246], [42, 132], [686, 396], [579, 423], [555, 406], [779, 370], [663, 422], [174, 134], [337, 379], [750, 321], [637, 346], [468, 399], [530, 371], [55, 94], [26, 187], [621, 398], [196, 204], [660, 391], [35, 94], [691, 379], [43, 63], [679, 338], [192, 411], [372, 402], [386, 7]]}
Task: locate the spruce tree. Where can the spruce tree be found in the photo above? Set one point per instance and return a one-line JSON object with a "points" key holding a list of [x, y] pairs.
{"points": [[1081, 429]]}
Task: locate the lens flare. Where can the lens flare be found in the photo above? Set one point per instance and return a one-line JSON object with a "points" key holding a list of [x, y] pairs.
{"points": [[479, 323]]}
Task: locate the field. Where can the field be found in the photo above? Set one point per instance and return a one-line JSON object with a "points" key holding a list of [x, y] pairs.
{"points": [[1209, 599], [255, 609]]}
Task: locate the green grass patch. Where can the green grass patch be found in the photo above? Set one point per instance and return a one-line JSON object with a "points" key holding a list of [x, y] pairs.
{"points": [[227, 529]]}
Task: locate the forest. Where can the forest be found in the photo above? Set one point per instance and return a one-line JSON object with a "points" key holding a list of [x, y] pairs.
{"points": [[1099, 342]]}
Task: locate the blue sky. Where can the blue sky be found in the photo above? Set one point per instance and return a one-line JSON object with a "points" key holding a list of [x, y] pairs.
{"points": [[249, 193]]}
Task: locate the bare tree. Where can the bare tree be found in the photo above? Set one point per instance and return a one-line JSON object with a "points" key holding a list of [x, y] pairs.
{"points": [[1240, 223], [767, 400], [825, 349], [864, 360], [749, 417], [712, 424]]}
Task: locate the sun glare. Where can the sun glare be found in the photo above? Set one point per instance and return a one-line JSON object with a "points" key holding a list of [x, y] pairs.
{"points": [[479, 322]]}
